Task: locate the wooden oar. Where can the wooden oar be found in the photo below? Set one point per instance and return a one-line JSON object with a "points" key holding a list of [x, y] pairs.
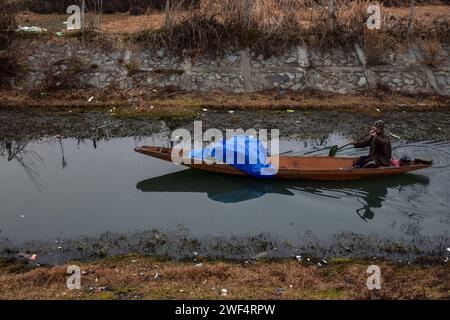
{"points": [[304, 154], [334, 149]]}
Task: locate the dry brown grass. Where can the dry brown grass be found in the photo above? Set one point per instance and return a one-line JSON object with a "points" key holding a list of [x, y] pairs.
{"points": [[272, 26], [432, 49], [132, 277]]}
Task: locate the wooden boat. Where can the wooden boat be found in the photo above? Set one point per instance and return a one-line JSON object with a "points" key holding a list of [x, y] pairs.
{"points": [[300, 167]]}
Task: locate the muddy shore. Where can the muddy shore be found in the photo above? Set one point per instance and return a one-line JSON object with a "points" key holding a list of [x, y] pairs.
{"points": [[297, 116]]}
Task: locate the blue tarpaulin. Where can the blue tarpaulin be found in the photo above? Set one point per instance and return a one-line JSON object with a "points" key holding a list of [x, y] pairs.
{"points": [[242, 152]]}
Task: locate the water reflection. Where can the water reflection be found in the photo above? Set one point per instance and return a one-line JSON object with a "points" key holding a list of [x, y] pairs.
{"points": [[226, 189], [28, 159]]}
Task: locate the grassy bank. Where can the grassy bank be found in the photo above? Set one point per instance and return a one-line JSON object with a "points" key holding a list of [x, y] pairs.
{"points": [[172, 105], [138, 277]]}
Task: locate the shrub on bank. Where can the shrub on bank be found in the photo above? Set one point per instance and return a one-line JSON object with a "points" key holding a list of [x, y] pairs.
{"points": [[9, 69], [108, 6], [141, 6], [220, 26], [8, 23]]}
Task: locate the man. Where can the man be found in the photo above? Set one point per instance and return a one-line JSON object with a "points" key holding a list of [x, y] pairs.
{"points": [[380, 148]]}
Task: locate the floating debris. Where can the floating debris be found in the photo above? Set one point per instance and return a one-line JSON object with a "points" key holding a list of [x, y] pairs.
{"points": [[90, 99], [31, 29], [279, 290], [30, 257], [156, 276], [223, 292], [260, 255], [199, 265]]}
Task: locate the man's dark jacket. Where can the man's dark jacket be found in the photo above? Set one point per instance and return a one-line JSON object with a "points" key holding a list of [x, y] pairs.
{"points": [[380, 149]]}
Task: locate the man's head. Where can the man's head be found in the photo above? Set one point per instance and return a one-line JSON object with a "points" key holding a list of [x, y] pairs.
{"points": [[378, 126]]}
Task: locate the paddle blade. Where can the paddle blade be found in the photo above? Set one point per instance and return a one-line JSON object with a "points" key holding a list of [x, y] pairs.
{"points": [[333, 151]]}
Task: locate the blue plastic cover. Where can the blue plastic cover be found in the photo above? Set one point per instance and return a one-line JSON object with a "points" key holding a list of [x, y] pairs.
{"points": [[242, 152]]}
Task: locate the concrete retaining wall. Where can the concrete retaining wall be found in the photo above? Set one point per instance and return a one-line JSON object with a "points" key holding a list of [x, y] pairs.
{"points": [[244, 71]]}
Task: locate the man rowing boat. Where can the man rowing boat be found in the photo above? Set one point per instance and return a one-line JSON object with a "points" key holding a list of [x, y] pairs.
{"points": [[380, 148]]}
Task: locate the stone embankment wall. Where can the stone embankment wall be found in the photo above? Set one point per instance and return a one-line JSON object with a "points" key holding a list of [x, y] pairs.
{"points": [[340, 71]]}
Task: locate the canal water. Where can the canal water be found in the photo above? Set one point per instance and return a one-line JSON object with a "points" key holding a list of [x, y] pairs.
{"points": [[55, 189]]}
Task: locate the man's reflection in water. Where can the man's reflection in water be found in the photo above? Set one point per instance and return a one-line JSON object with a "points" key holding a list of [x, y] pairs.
{"points": [[367, 213], [372, 200]]}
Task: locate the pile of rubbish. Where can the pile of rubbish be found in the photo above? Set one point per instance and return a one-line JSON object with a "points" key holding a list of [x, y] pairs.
{"points": [[31, 29]]}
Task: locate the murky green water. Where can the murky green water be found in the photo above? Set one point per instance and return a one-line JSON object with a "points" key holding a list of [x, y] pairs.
{"points": [[57, 189]]}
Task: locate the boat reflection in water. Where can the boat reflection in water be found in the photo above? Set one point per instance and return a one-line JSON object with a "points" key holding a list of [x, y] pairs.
{"points": [[228, 189]]}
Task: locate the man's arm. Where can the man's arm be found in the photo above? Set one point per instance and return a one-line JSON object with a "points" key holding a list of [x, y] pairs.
{"points": [[363, 143]]}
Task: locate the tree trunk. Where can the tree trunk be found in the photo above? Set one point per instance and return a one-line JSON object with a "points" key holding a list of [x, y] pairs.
{"points": [[246, 13], [331, 14], [411, 17]]}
